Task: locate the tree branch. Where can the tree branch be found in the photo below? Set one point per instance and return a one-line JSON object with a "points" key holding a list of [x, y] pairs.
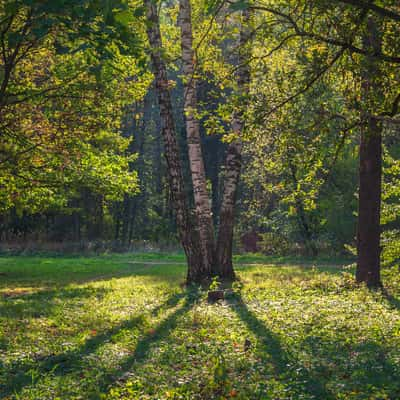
{"points": [[384, 12], [333, 41]]}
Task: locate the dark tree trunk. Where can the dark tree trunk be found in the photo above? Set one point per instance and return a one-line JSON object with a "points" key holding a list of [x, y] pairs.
{"points": [[117, 223], [190, 243], [233, 163], [215, 197], [132, 218], [370, 167], [214, 148], [369, 205], [131, 203]]}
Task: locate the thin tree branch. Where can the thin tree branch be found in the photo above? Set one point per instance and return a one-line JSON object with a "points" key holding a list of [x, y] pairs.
{"points": [[333, 41], [384, 12]]}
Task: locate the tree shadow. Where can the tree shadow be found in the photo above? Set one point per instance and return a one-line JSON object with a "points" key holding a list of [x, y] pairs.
{"points": [[393, 301], [144, 346], [18, 375], [285, 366], [361, 367]]}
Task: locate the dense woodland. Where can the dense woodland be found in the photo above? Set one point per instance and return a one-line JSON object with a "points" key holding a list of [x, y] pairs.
{"points": [[226, 126]]}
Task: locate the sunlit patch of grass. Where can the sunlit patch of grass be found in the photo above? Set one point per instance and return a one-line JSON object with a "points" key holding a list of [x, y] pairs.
{"points": [[107, 328]]}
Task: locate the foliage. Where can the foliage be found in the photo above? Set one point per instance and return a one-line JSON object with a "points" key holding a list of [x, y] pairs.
{"points": [[300, 172], [273, 244], [61, 102], [391, 212]]}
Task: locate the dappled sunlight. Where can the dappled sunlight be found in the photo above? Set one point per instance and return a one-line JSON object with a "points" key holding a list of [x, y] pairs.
{"points": [[283, 332], [106, 350]]}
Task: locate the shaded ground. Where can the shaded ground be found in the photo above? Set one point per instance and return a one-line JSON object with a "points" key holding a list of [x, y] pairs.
{"points": [[118, 327]]}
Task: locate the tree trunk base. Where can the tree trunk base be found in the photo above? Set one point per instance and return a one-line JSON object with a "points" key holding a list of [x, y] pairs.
{"points": [[214, 295], [372, 282]]}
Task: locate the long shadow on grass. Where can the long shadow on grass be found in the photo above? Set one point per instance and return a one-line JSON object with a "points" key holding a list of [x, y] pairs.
{"points": [[18, 375], [393, 301], [144, 346], [286, 367], [362, 367]]}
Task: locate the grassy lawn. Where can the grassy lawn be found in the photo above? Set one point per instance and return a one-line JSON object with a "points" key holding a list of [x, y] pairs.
{"points": [[124, 327]]}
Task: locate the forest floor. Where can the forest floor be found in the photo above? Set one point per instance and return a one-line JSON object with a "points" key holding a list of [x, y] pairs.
{"points": [[124, 327]]}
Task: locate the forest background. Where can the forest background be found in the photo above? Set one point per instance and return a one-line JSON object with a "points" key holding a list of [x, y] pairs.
{"points": [[81, 152]]}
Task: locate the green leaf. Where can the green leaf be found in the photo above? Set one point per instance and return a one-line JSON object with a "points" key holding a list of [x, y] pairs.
{"points": [[123, 17]]}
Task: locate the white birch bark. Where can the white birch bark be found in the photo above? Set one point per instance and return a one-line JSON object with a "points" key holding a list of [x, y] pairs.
{"points": [[196, 160]]}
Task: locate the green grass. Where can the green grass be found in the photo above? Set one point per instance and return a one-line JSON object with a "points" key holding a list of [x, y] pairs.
{"points": [[124, 327]]}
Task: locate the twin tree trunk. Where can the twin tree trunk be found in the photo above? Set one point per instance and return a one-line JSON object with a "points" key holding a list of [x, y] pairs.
{"points": [[204, 258], [370, 166], [187, 234]]}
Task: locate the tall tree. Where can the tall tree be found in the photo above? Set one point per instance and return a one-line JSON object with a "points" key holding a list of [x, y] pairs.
{"points": [[213, 261], [196, 160], [362, 35], [197, 271], [370, 167], [233, 162]]}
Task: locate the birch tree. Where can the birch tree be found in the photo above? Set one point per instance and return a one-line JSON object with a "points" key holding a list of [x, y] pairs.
{"points": [[197, 271], [196, 160], [206, 260]]}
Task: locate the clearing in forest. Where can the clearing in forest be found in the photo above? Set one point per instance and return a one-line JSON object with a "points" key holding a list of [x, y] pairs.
{"points": [[124, 327]]}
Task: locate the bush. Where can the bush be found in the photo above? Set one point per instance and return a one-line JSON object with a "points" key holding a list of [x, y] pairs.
{"points": [[272, 243]]}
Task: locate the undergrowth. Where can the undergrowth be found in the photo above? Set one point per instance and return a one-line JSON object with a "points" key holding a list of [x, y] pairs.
{"points": [[123, 327]]}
